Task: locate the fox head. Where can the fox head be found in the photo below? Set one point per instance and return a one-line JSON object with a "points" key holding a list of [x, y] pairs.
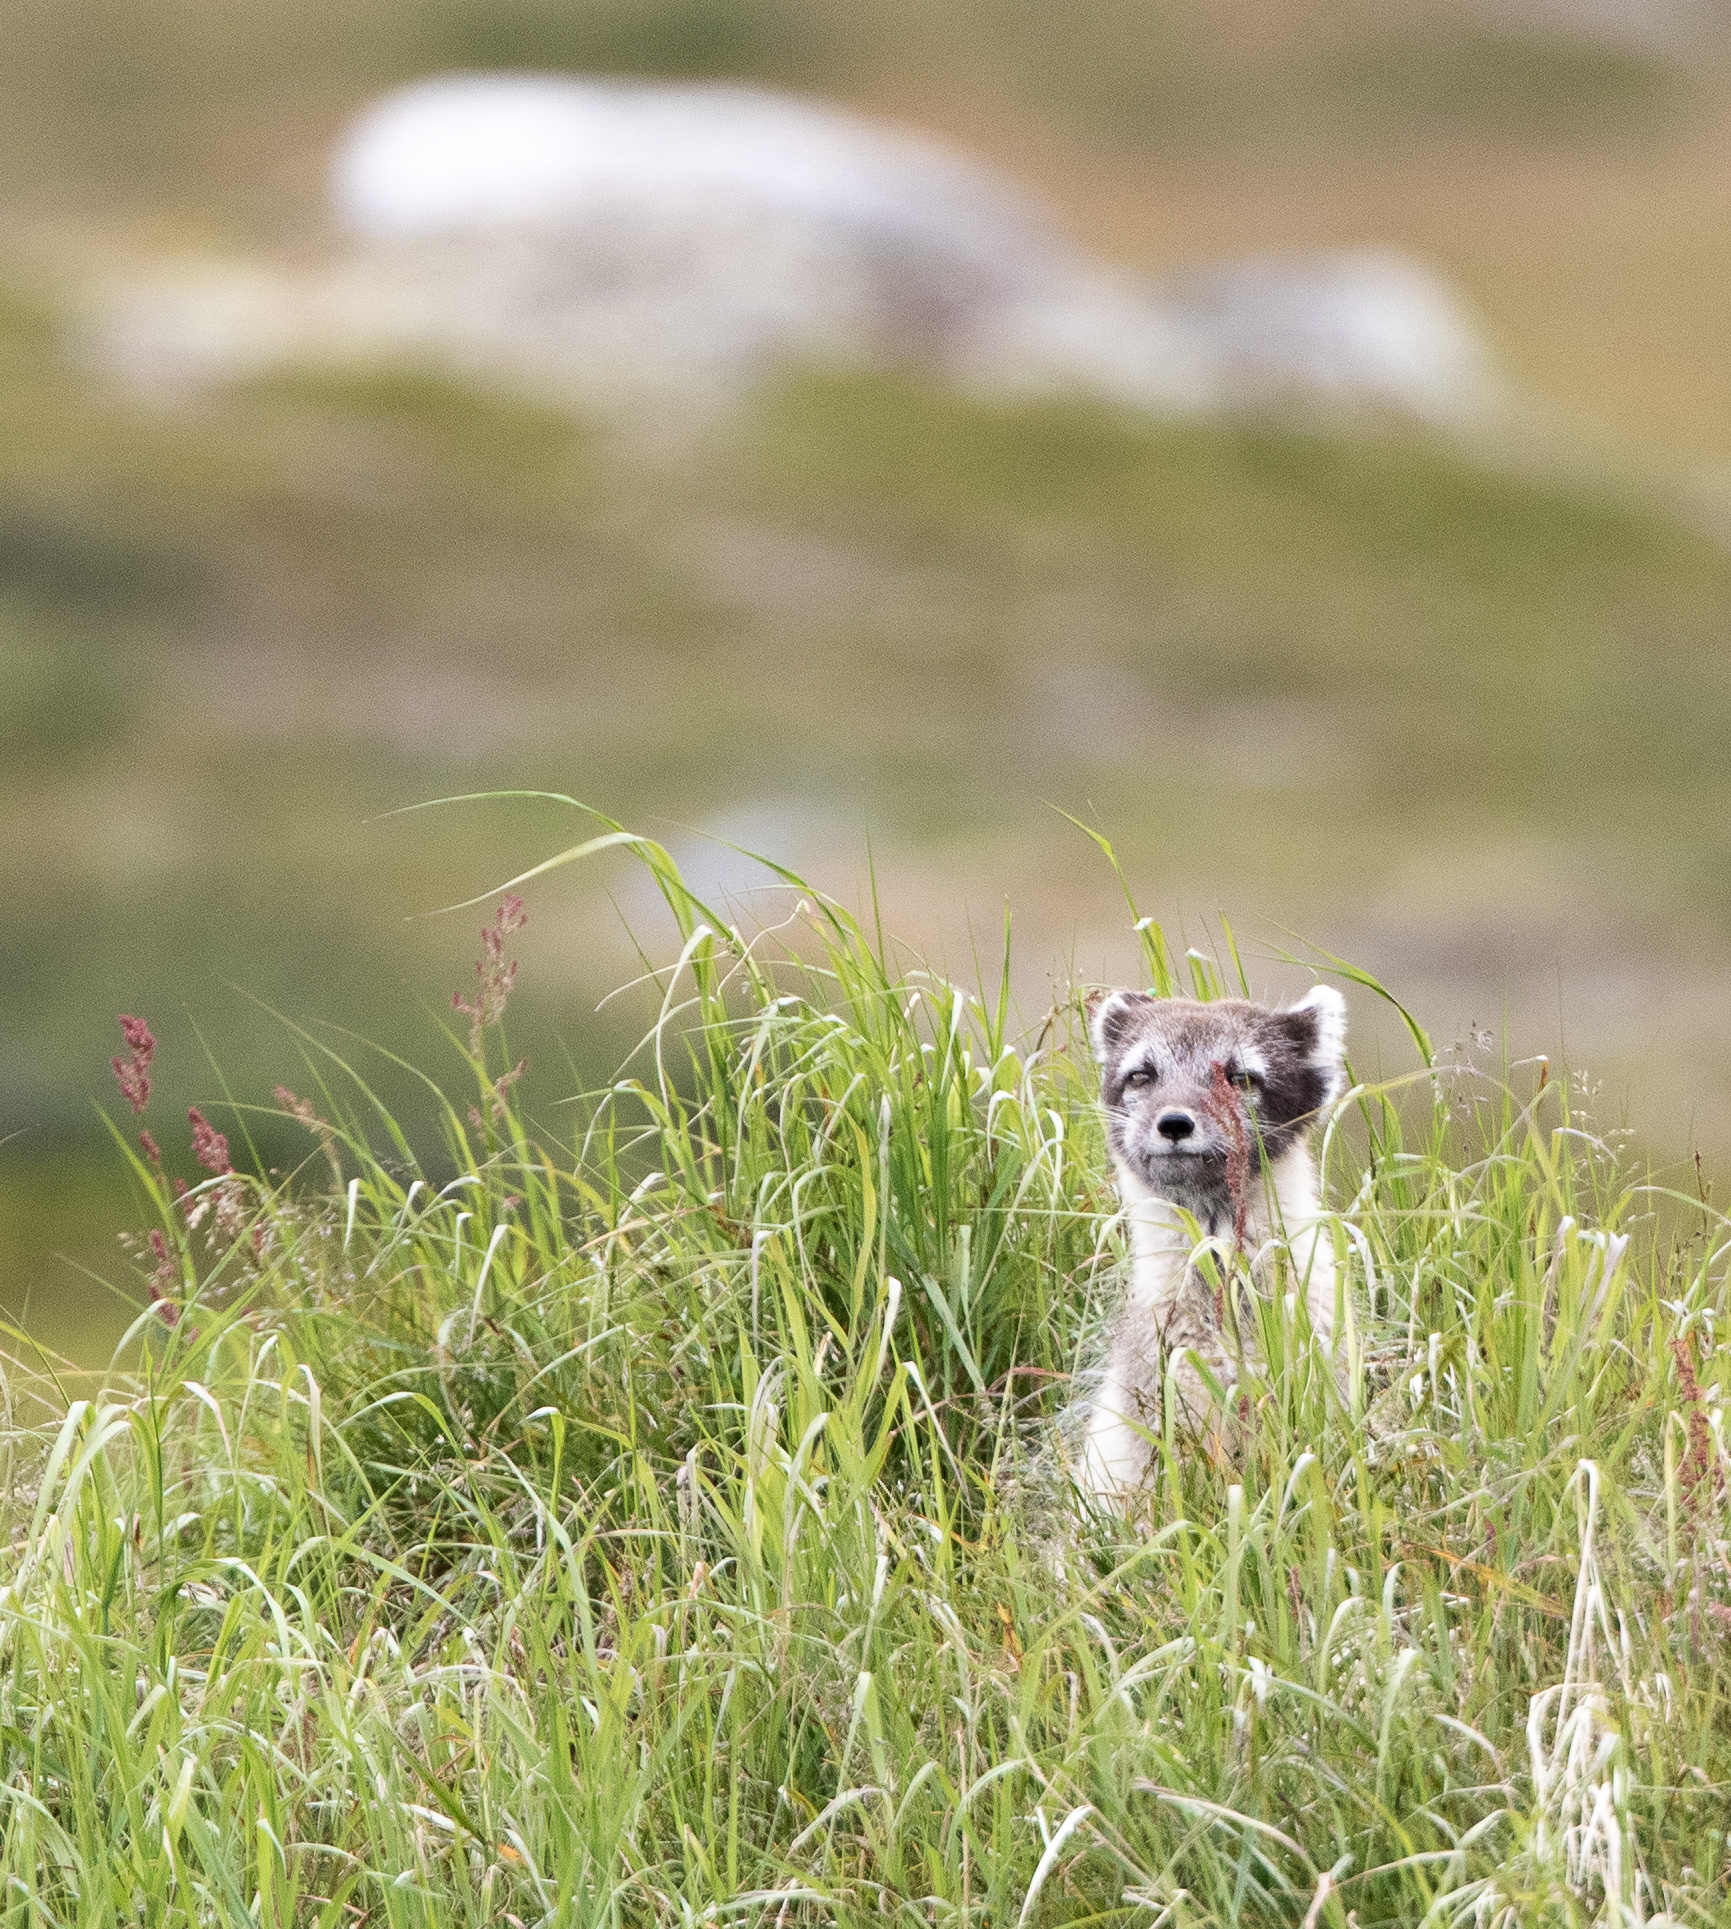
{"points": [[1165, 1063]]}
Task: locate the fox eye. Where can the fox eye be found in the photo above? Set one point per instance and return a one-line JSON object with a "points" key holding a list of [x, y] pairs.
{"points": [[1134, 1081], [1247, 1080]]}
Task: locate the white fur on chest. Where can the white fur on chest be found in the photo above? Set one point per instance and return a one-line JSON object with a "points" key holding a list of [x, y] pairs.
{"points": [[1170, 1321], [1285, 1211]]}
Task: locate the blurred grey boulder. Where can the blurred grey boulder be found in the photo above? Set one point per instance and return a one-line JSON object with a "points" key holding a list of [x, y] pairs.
{"points": [[629, 246]]}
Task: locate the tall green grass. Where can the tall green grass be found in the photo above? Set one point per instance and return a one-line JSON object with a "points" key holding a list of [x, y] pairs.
{"points": [[664, 1518]]}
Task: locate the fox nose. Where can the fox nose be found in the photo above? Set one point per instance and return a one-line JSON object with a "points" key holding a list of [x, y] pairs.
{"points": [[1175, 1126]]}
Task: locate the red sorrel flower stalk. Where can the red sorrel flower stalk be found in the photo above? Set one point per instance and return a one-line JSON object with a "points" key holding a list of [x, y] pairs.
{"points": [[133, 1071], [209, 1146], [499, 1104], [1700, 1460], [322, 1129], [227, 1198], [1226, 1103], [165, 1276], [497, 977]]}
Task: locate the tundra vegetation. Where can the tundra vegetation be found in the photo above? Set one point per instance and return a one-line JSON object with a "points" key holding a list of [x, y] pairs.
{"points": [[659, 1514]]}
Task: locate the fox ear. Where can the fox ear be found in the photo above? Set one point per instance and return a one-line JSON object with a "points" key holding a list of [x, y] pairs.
{"points": [[1317, 1024], [1109, 1017]]}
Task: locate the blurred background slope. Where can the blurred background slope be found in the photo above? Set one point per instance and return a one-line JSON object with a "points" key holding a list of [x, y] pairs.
{"points": [[1452, 702]]}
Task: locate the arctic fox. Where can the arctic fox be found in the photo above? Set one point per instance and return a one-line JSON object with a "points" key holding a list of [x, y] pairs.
{"points": [[1208, 1109]]}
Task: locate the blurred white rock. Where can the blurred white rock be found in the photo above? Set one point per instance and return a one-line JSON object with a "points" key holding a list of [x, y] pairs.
{"points": [[467, 153], [630, 246], [1372, 326]]}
